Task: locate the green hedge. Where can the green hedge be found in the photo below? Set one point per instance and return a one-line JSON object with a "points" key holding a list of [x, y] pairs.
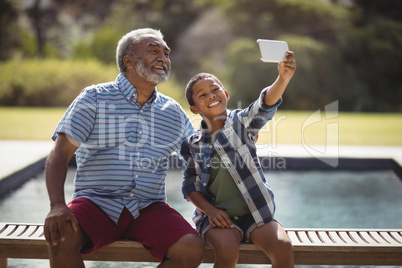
{"points": [[56, 82], [49, 82]]}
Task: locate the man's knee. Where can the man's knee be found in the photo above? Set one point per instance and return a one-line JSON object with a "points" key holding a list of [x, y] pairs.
{"points": [[188, 249], [72, 243]]}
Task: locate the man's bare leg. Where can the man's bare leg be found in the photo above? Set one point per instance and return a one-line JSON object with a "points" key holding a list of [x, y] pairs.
{"points": [[188, 251], [67, 253]]}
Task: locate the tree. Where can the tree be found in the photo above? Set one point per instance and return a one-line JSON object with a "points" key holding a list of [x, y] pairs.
{"points": [[53, 21], [375, 53], [172, 17], [371, 10], [8, 28]]}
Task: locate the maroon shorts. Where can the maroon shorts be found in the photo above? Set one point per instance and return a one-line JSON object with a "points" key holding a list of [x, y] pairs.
{"points": [[157, 227]]}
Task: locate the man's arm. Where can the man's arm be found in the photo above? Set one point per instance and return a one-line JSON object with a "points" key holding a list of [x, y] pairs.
{"points": [[55, 173], [286, 69]]}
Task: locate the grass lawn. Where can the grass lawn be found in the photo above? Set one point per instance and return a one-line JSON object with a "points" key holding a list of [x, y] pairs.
{"points": [[287, 127], [28, 123]]}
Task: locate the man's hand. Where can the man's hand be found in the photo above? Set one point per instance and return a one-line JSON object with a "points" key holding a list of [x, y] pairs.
{"points": [[59, 218]]}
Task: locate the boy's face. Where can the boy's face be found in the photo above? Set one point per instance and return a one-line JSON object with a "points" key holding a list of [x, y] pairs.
{"points": [[210, 99]]}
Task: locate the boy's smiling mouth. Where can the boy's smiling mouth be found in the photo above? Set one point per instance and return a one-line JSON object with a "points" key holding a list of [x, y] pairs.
{"points": [[213, 104]]}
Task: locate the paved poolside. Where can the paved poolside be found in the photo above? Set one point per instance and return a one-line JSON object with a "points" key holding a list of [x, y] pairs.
{"points": [[16, 154]]}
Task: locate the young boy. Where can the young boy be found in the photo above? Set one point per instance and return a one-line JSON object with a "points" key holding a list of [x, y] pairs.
{"points": [[222, 174]]}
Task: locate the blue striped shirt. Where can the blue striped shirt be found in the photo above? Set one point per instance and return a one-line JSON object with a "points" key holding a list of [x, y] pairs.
{"points": [[122, 159], [236, 148]]}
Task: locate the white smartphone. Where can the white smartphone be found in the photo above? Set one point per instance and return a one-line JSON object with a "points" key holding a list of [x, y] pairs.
{"points": [[272, 50]]}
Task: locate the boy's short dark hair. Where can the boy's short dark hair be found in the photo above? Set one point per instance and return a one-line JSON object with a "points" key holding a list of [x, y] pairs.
{"points": [[194, 80]]}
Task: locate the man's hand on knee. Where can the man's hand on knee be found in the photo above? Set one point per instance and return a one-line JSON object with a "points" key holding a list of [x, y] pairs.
{"points": [[57, 221]]}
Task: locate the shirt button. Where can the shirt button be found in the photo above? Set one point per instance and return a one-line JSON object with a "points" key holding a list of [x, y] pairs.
{"points": [[210, 146], [205, 184], [141, 111], [140, 132], [131, 194], [136, 176], [208, 165]]}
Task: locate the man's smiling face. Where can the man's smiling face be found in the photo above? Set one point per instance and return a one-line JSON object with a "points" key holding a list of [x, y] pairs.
{"points": [[152, 61]]}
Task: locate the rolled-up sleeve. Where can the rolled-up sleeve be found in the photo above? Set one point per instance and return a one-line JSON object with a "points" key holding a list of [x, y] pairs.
{"points": [[257, 114]]}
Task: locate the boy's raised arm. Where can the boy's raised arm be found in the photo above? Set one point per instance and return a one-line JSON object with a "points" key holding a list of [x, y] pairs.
{"points": [[286, 69]]}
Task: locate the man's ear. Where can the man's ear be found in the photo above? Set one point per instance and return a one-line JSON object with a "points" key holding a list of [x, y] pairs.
{"points": [[128, 61], [194, 110]]}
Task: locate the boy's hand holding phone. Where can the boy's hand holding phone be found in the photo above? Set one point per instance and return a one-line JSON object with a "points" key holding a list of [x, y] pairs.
{"points": [[278, 51], [287, 66]]}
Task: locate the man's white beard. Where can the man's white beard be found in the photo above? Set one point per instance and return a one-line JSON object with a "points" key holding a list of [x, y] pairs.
{"points": [[145, 72]]}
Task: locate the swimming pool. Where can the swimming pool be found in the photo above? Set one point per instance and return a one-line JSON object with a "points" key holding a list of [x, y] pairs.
{"points": [[304, 199]]}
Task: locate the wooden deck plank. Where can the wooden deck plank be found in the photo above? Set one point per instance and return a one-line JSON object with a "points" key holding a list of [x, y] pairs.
{"points": [[314, 237], [388, 238], [303, 237], [345, 237], [397, 236], [377, 237], [30, 231], [337, 238], [293, 237], [356, 237], [325, 237], [7, 230]]}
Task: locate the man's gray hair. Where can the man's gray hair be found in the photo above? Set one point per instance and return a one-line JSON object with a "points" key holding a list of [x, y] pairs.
{"points": [[128, 44]]}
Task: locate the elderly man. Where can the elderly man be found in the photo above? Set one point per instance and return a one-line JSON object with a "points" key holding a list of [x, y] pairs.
{"points": [[122, 133]]}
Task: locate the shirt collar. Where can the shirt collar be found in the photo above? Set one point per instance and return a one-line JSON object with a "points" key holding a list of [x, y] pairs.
{"points": [[200, 132], [129, 91]]}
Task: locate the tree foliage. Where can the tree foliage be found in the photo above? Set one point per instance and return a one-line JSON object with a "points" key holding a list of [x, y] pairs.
{"points": [[345, 50], [345, 53], [8, 27]]}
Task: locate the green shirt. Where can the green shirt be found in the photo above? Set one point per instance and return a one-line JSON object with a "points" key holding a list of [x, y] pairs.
{"points": [[221, 185]]}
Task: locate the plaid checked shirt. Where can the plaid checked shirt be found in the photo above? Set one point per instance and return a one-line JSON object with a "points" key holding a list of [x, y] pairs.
{"points": [[235, 145]]}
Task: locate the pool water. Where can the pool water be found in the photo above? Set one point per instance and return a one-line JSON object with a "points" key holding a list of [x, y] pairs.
{"points": [[303, 199]]}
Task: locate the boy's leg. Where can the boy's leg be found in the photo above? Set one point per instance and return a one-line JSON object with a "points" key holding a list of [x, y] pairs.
{"points": [[167, 236], [274, 241], [225, 242]]}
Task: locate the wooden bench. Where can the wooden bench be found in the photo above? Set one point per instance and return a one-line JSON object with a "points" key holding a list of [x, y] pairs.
{"points": [[311, 247]]}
